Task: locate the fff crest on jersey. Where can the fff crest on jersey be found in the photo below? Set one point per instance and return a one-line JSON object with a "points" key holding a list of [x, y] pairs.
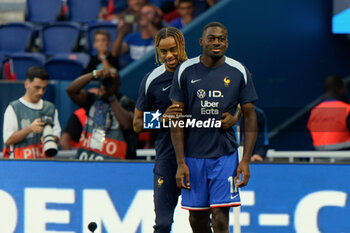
{"points": [[160, 181], [227, 81]]}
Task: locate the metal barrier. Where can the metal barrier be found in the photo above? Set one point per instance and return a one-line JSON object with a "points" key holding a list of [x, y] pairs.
{"points": [[331, 156], [272, 155]]}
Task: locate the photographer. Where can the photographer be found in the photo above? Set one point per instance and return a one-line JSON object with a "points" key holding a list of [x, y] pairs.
{"points": [[105, 133], [26, 118]]}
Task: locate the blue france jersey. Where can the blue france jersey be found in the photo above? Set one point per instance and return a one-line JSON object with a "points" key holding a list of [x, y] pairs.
{"points": [[207, 93], [154, 95]]}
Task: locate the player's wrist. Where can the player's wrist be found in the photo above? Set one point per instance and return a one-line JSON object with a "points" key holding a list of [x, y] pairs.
{"points": [[181, 163]]}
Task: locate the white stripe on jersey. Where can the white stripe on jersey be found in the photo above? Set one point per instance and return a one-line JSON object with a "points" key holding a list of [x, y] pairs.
{"points": [[186, 64], [153, 75], [237, 65]]}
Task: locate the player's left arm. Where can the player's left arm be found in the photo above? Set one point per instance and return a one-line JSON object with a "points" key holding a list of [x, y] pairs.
{"points": [[250, 132]]}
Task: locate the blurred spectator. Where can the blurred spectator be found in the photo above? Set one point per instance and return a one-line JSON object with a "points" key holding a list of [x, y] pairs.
{"points": [[130, 14], [107, 130], [111, 9], [329, 122], [186, 10], [23, 119], [71, 134], [262, 141], [202, 5], [170, 12], [103, 59], [138, 43]]}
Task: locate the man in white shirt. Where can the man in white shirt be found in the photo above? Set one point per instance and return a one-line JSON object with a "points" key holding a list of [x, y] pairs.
{"points": [[23, 124]]}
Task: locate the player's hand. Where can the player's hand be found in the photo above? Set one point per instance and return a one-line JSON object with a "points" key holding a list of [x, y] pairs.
{"points": [[37, 126], [242, 169], [227, 120], [256, 158], [183, 173], [172, 112]]}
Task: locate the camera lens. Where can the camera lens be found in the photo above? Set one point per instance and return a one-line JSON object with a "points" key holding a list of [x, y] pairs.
{"points": [[50, 145], [107, 82]]}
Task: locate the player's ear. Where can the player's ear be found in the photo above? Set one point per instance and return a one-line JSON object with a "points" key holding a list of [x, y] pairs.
{"points": [[200, 41]]}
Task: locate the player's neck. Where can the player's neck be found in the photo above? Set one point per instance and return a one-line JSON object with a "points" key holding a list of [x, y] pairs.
{"points": [[211, 62]]}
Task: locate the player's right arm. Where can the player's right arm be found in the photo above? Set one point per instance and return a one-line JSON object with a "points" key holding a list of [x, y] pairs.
{"points": [[177, 133], [178, 140]]}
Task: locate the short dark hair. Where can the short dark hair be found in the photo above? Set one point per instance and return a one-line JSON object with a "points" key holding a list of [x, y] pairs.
{"points": [[36, 72], [101, 32], [332, 83], [213, 24], [181, 1]]}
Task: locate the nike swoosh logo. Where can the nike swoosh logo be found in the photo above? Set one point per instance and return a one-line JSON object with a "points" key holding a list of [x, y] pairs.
{"points": [[194, 81], [233, 197], [166, 88]]}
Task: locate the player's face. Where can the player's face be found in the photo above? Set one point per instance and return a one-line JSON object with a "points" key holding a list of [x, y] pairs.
{"points": [[214, 42], [35, 89], [168, 52]]}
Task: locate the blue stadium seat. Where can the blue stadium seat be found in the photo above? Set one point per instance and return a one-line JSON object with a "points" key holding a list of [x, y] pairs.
{"points": [[2, 57], [83, 58], [111, 28], [22, 61], [63, 68], [84, 11], [42, 11], [60, 37], [15, 37]]}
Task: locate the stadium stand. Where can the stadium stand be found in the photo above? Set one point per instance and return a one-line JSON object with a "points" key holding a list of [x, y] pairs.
{"points": [[15, 37], [42, 11], [63, 67], [60, 37], [83, 11], [22, 61]]}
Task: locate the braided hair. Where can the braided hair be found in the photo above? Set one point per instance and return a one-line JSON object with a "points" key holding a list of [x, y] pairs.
{"points": [[179, 40]]}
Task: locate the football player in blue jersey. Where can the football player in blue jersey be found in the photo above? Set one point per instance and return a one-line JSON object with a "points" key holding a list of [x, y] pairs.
{"points": [[153, 96], [207, 88]]}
